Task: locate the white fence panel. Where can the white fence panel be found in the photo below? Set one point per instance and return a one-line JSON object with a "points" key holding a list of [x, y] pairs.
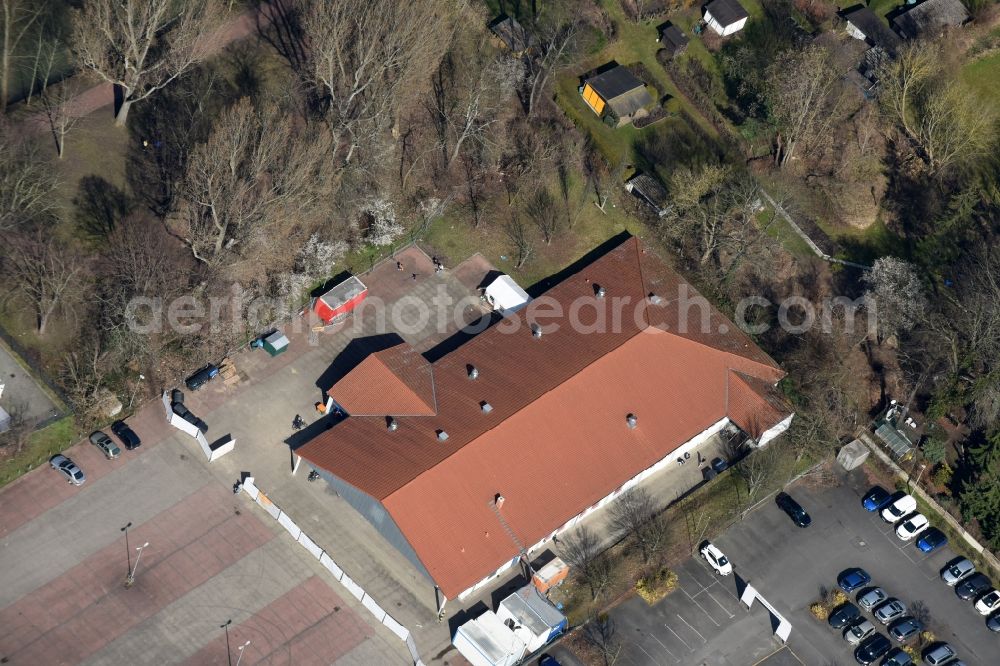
{"points": [[250, 488], [375, 609], [266, 504], [328, 562], [310, 545], [395, 627], [352, 587], [289, 525]]}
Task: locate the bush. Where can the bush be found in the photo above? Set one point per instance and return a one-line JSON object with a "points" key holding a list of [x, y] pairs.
{"points": [[656, 585], [942, 474], [840, 597], [819, 610]]}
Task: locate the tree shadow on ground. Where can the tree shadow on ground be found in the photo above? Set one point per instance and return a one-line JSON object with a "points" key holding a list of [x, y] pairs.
{"points": [[100, 206]]}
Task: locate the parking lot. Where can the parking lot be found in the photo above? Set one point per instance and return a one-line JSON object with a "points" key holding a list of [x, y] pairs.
{"points": [[703, 622], [789, 565]]}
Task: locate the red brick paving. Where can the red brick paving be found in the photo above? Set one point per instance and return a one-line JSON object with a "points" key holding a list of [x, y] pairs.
{"points": [[87, 607], [309, 624]]}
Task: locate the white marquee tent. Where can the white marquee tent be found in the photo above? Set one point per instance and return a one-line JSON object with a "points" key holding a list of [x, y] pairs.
{"points": [[506, 295]]}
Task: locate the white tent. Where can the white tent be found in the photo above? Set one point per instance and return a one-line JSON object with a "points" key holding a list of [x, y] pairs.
{"points": [[487, 641], [506, 295]]}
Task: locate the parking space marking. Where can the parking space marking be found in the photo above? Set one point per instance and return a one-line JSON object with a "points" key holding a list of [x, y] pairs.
{"points": [[724, 609], [651, 657], [670, 629], [692, 628], [665, 648], [702, 608]]}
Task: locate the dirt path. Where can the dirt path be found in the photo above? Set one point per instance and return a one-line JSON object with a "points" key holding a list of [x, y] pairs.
{"points": [[102, 94]]}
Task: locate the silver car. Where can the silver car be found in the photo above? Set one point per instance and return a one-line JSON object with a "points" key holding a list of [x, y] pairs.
{"points": [[905, 629], [956, 571], [942, 653], [872, 598], [68, 469], [889, 611], [104, 443], [859, 632]]}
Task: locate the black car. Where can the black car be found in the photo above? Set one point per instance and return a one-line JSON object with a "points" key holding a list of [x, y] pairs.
{"points": [[844, 616], [126, 435], [198, 379], [793, 509], [720, 465], [973, 586], [872, 649]]}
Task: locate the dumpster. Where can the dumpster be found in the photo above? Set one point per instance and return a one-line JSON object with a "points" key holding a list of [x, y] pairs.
{"points": [[276, 343]]}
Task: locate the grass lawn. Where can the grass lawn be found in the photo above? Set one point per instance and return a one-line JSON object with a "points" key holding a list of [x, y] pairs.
{"points": [[983, 76], [42, 445]]}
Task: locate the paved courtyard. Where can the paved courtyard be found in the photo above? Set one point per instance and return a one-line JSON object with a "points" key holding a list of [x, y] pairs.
{"points": [[214, 556]]}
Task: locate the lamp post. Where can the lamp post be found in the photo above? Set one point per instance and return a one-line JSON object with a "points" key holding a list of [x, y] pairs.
{"points": [[241, 648], [131, 574], [135, 390], [128, 551], [229, 654]]}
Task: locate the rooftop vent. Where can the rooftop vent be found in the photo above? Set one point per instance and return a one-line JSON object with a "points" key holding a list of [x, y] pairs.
{"points": [[631, 420], [442, 435], [498, 500], [654, 299], [486, 407], [599, 291], [473, 371], [536, 331], [390, 424]]}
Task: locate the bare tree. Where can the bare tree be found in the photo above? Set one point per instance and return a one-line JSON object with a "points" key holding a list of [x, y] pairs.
{"points": [[582, 550], [517, 234], [58, 103], [757, 469], [44, 269], [541, 208], [82, 375], [601, 176], [902, 79], [27, 184], [20, 427], [142, 46], [634, 514], [800, 92], [258, 167], [362, 57], [600, 632], [558, 40], [17, 17], [954, 125]]}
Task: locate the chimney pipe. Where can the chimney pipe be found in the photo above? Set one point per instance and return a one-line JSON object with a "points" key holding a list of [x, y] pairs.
{"points": [[486, 407], [390, 424], [442, 435], [632, 421], [654, 299], [536, 331], [599, 291], [498, 500], [473, 371]]}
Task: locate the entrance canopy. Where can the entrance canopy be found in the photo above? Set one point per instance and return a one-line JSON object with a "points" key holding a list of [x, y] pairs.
{"points": [[506, 295]]}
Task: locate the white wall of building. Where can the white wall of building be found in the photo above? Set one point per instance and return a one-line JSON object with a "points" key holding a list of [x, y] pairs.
{"points": [[721, 29], [775, 430]]}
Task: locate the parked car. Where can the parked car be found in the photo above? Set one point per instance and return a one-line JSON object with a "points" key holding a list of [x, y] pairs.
{"points": [[198, 379], [912, 526], [859, 631], [898, 658], [871, 598], [720, 465], [973, 586], [852, 579], [931, 540], [993, 622], [104, 443], [988, 603], [941, 653], [126, 435], [876, 499], [547, 660], [905, 629], [889, 611], [844, 615], [956, 570], [898, 508], [68, 469], [793, 509], [871, 649], [716, 559]]}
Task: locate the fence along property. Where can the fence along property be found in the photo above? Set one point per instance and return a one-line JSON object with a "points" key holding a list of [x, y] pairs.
{"points": [[338, 574]]}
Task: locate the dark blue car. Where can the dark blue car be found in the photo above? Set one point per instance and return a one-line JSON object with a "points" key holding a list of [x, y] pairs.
{"points": [[852, 579], [931, 539], [876, 499]]}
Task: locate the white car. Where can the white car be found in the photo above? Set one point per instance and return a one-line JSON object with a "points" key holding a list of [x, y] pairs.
{"points": [[716, 559], [859, 632], [912, 526], [904, 505], [988, 603]]}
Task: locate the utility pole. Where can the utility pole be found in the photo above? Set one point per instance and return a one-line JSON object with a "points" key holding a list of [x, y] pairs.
{"points": [[128, 552], [229, 654], [131, 573]]}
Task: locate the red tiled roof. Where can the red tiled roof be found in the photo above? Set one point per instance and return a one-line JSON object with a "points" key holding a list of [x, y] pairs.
{"points": [[396, 381], [556, 440]]}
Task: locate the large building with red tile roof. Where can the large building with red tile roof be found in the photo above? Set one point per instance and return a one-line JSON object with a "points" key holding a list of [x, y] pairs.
{"points": [[467, 463]]}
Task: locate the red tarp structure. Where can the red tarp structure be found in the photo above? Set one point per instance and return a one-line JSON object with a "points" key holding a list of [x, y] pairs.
{"points": [[340, 300]]}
